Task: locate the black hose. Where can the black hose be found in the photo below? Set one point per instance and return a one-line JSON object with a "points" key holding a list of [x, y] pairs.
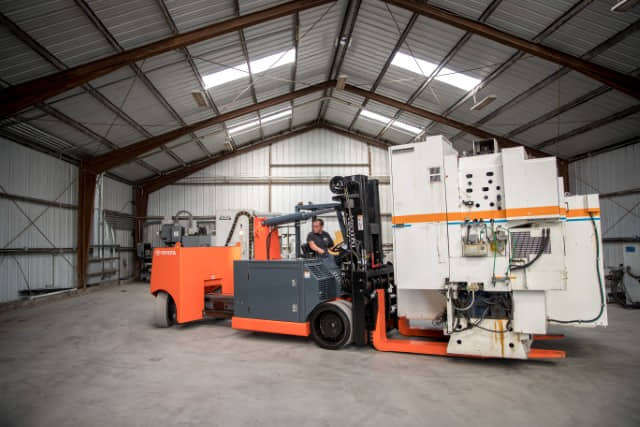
{"points": [[269, 242], [601, 287], [233, 229]]}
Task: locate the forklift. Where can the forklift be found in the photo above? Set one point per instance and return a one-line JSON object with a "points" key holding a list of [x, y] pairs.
{"points": [[332, 298]]}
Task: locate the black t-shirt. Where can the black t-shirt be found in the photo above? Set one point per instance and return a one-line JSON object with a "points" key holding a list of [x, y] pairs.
{"points": [[323, 239]]}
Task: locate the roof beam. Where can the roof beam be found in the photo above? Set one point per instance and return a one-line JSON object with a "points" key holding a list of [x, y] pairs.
{"points": [[90, 133], [130, 152], [562, 109], [174, 29], [401, 39], [615, 79], [32, 92], [448, 57], [245, 53], [344, 40], [541, 36], [504, 142], [369, 140], [634, 109], [610, 147], [156, 183], [294, 68], [159, 182], [91, 15], [557, 75]]}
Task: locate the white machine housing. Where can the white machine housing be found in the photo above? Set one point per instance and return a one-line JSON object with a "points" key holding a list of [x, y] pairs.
{"points": [[464, 223]]}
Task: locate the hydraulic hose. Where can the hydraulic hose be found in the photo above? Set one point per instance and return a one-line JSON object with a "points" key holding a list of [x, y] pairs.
{"points": [[601, 287]]}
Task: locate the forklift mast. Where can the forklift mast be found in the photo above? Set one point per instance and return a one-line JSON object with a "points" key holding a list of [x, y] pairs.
{"points": [[363, 267]]}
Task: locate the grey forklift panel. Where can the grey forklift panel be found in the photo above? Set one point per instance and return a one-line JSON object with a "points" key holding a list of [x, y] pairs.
{"points": [[283, 290]]}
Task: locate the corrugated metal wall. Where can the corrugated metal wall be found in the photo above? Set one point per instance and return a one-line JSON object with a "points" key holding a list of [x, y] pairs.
{"points": [[119, 197], [28, 173], [25, 172], [300, 161], [607, 173]]}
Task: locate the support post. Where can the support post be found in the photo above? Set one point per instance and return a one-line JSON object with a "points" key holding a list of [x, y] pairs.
{"points": [[86, 195], [142, 202], [563, 171]]}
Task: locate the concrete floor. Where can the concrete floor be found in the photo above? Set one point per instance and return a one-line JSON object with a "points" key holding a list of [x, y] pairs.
{"points": [[96, 360]]}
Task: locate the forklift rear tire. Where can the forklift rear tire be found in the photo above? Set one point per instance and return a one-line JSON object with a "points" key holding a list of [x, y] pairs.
{"points": [[164, 310], [332, 325]]}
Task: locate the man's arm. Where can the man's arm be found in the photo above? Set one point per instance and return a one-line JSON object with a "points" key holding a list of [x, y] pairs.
{"points": [[315, 247]]}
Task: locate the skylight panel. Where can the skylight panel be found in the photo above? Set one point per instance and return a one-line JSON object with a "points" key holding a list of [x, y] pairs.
{"points": [[255, 123], [425, 68], [395, 124], [242, 70]]}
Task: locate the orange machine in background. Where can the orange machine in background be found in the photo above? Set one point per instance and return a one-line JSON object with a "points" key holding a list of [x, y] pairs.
{"points": [[197, 282], [265, 238]]}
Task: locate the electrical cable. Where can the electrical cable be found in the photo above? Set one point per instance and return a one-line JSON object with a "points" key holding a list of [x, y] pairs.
{"points": [[473, 300], [628, 271], [601, 287]]}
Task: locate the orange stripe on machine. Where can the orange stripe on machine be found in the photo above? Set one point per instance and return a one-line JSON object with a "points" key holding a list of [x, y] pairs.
{"points": [[493, 214]]}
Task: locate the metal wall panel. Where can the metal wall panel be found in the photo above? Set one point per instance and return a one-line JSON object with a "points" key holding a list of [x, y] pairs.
{"points": [[302, 156], [612, 172], [30, 173], [118, 196]]}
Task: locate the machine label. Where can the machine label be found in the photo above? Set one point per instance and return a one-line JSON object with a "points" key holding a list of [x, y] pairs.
{"points": [[360, 222], [165, 252]]}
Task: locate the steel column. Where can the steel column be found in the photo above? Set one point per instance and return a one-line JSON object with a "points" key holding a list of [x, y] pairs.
{"points": [[86, 195]]}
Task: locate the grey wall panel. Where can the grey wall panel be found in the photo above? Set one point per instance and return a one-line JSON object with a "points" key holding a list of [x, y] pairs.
{"points": [[25, 172], [606, 173]]}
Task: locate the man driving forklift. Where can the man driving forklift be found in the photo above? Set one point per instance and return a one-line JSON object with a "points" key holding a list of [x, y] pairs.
{"points": [[319, 240]]}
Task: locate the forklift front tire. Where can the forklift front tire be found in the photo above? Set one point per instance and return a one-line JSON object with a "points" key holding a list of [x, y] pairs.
{"points": [[163, 310], [332, 325]]}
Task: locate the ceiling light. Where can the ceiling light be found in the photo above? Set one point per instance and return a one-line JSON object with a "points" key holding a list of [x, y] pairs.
{"points": [[425, 68], [624, 5], [341, 82], [199, 98], [396, 124], [483, 102], [242, 70], [266, 119]]}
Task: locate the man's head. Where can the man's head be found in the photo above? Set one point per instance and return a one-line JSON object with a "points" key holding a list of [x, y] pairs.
{"points": [[317, 225]]}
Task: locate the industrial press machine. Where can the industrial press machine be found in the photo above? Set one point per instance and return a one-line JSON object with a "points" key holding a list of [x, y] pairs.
{"points": [[488, 251]]}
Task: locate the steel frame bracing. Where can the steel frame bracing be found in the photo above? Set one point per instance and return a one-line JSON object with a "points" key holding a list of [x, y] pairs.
{"points": [[443, 63], [342, 45], [615, 79], [32, 92]]}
